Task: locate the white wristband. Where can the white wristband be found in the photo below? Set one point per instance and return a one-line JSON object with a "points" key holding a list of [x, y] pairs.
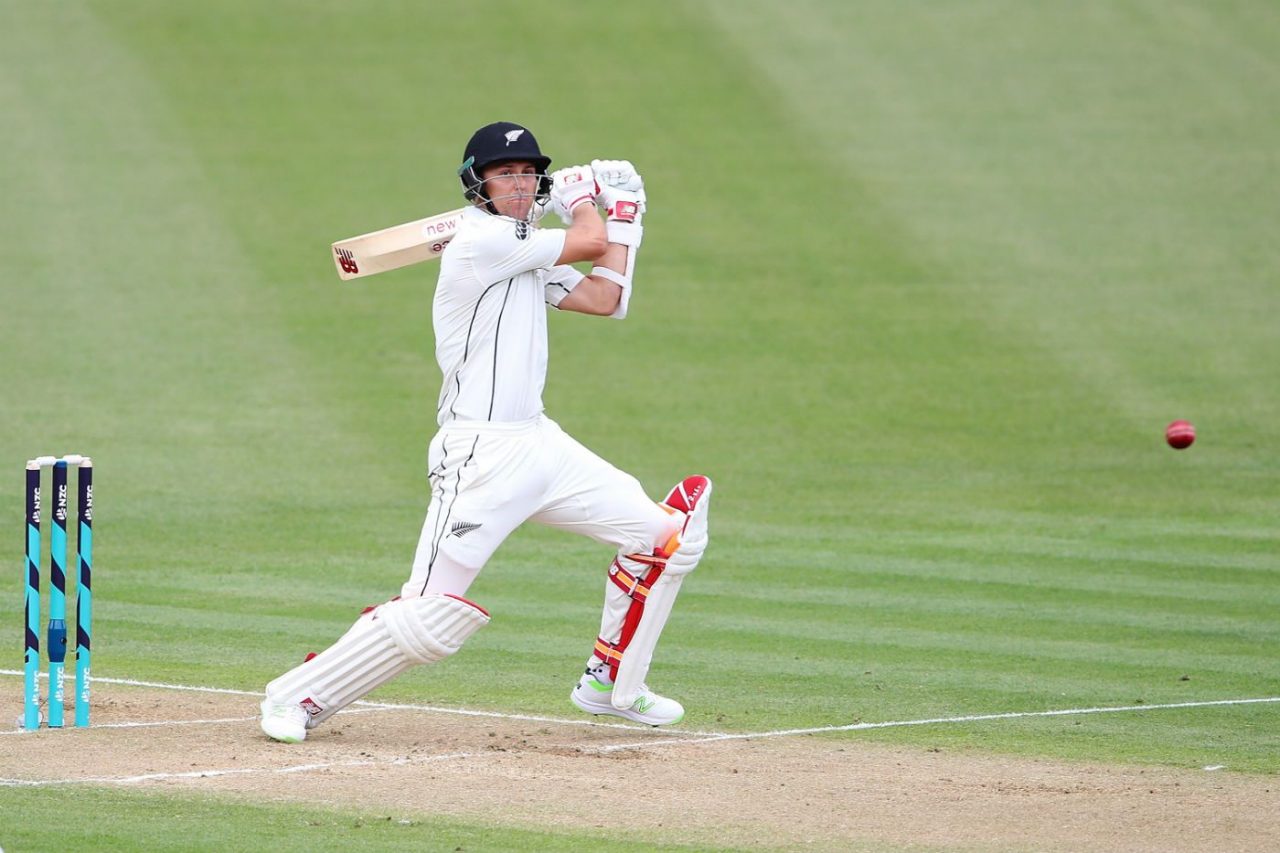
{"points": [[624, 233]]}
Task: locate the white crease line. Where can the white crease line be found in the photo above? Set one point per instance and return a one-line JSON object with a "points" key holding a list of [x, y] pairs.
{"points": [[392, 706], [155, 724], [673, 737], [97, 679], [974, 718], [148, 725], [631, 727], [240, 771], [306, 768]]}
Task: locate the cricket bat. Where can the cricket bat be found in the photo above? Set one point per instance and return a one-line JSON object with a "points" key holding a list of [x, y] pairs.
{"points": [[397, 246]]}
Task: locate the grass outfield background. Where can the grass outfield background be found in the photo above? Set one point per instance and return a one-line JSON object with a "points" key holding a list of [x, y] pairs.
{"points": [[921, 288], [114, 820]]}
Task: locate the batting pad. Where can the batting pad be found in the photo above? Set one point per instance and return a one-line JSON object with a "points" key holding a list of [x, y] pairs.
{"points": [[634, 666], [638, 655], [383, 643]]}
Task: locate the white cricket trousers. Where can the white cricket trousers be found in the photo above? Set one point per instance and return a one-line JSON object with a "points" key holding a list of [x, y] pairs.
{"points": [[489, 478]]}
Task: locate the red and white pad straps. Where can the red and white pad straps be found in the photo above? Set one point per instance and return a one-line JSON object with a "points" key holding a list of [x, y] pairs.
{"points": [[653, 596], [638, 591]]}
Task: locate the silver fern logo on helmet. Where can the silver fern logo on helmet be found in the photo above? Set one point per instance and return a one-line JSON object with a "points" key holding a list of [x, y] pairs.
{"points": [[513, 135]]}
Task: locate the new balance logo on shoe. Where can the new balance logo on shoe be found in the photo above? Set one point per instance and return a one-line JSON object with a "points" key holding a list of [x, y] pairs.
{"points": [[462, 528], [643, 705]]}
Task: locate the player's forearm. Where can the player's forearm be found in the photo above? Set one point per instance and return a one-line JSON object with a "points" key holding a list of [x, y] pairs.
{"points": [[614, 258], [593, 295], [585, 239], [604, 285]]}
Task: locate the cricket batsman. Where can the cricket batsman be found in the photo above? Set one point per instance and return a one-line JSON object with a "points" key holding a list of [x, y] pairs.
{"points": [[498, 460]]}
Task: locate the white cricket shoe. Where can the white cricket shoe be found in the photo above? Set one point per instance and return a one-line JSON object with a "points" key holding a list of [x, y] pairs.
{"points": [[285, 723], [594, 695]]}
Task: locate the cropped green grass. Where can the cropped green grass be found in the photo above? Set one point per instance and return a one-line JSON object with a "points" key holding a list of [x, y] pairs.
{"points": [[921, 286], [112, 820]]}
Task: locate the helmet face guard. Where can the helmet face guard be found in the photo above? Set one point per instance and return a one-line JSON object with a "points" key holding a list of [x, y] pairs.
{"points": [[502, 142]]}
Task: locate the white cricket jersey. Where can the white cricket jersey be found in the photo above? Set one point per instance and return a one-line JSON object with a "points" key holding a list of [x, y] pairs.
{"points": [[497, 278]]}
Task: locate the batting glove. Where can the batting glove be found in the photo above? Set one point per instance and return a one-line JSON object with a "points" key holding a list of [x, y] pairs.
{"points": [[570, 188], [617, 173]]}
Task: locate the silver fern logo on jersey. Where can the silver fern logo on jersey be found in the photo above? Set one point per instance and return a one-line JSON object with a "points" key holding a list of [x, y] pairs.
{"points": [[462, 528]]}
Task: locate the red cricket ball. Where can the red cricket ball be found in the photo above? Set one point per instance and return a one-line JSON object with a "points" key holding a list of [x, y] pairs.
{"points": [[1180, 434]]}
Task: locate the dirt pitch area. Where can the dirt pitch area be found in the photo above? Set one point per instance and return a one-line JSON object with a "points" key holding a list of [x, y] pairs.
{"points": [[811, 793]]}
